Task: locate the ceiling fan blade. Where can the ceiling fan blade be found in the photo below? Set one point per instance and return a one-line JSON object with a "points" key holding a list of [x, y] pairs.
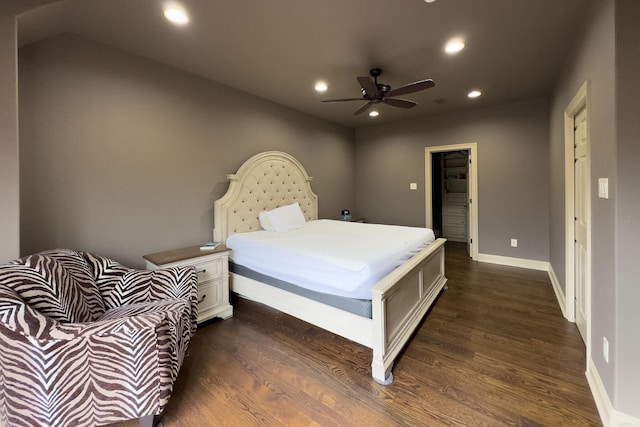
{"points": [[412, 87], [344, 99], [369, 86], [364, 108], [402, 103]]}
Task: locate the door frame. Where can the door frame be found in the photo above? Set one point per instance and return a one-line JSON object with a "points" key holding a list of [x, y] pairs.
{"points": [[473, 188], [580, 100]]}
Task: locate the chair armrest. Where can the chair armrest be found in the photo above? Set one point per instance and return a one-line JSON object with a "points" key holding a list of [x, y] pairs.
{"points": [[21, 319]]}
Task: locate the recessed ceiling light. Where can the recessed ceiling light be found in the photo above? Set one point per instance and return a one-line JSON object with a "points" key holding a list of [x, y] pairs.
{"points": [[374, 113], [429, 1], [321, 86], [474, 94], [176, 14], [454, 46]]}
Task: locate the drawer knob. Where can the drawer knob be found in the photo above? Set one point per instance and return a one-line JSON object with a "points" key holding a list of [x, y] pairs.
{"points": [[201, 300], [204, 270]]}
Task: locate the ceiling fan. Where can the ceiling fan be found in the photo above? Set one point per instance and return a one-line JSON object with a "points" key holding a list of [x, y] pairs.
{"points": [[375, 93]]}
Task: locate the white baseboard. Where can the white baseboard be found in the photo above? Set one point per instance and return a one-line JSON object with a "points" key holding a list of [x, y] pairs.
{"points": [[514, 262], [620, 419], [609, 416], [557, 289]]}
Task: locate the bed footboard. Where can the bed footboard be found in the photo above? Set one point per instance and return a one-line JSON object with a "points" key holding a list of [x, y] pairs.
{"points": [[400, 301]]}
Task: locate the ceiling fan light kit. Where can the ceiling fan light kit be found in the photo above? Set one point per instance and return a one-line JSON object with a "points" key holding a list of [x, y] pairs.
{"points": [[375, 93]]}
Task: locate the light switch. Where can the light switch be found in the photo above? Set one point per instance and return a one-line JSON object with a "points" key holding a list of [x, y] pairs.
{"points": [[413, 186], [603, 188]]}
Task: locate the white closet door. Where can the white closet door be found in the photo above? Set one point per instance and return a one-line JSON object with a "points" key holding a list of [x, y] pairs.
{"points": [[582, 219]]}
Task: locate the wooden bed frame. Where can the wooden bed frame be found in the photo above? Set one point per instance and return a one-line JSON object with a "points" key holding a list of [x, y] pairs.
{"points": [[399, 301]]}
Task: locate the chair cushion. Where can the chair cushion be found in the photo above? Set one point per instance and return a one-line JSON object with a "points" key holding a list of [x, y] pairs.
{"points": [[58, 283]]}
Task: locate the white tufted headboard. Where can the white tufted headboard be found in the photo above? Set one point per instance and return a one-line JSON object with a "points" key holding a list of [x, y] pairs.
{"points": [[266, 181]]}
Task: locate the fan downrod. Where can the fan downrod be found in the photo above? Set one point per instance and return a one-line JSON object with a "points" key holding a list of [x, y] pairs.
{"points": [[383, 88]]}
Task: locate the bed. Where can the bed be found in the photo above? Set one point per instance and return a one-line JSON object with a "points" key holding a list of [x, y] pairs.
{"points": [[398, 301]]}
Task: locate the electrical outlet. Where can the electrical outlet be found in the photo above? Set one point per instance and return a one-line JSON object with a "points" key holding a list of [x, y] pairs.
{"points": [[605, 349], [413, 186], [514, 243]]}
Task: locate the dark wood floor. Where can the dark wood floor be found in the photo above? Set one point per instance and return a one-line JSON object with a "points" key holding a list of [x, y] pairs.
{"points": [[494, 350]]}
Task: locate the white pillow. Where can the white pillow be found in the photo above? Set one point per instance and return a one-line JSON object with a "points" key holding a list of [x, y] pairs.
{"points": [[264, 221], [287, 217]]}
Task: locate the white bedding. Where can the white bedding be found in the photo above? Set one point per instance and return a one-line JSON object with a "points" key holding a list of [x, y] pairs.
{"points": [[336, 257]]}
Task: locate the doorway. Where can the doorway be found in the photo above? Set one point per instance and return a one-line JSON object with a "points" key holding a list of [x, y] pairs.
{"points": [[578, 214], [451, 193]]}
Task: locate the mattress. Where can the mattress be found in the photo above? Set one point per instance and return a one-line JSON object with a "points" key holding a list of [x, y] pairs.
{"points": [[334, 257], [359, 307]]}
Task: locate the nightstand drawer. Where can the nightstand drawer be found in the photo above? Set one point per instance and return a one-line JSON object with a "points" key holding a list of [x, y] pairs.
{"points": [[208, 270], [209, 295]]}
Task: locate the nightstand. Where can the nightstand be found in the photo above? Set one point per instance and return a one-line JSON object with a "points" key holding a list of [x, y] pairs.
{"points": [[213, 276]]}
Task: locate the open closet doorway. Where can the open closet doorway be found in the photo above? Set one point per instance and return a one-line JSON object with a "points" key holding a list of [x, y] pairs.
{"points": [[451, 193]]}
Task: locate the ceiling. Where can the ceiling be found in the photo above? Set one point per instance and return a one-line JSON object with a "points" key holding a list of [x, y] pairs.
{"points": [[278, 49]]}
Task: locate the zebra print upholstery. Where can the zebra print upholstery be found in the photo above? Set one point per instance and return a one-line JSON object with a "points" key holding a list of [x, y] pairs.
{"points": [[85, 341]]}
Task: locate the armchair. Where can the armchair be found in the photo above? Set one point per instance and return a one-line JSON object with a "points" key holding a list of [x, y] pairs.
{"points": [[85, 341]]}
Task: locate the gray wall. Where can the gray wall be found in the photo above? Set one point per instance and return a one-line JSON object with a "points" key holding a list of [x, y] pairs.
{"points": [[608, 57], [9, 176], [593, 60], [627, 390], [9, 170], [513, 173], [124, 156]]}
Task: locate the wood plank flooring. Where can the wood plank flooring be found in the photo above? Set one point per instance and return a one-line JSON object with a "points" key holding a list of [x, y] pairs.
{"points": [[494, 350]]}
